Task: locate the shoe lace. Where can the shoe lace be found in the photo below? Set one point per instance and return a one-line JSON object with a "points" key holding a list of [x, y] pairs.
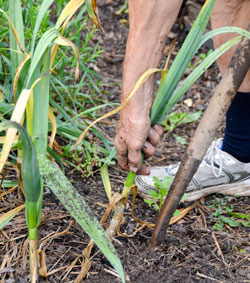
{"points": [[214, 150]]}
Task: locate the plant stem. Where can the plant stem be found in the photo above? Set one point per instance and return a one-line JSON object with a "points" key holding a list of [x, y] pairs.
{"points": [[33, 260], [31, 219], [130, 179]]}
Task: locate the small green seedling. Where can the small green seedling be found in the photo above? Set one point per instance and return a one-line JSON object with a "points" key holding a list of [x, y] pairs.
{"points": [[241, 251], [180, 139], [174, 119], [161, 190], [232, 218], [202, 57]]}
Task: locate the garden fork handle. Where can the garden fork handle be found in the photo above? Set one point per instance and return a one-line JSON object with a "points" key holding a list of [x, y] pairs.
{"points": [[212, 119]]}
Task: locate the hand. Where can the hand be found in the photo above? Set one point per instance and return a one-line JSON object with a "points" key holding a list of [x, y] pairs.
{"points": [[134, 135]]}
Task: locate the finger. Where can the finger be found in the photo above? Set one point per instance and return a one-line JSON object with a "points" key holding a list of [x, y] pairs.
{"points": [[158, 129], [134, 156], [122, 152], [144, 170], [153, 137], [148, 149]]}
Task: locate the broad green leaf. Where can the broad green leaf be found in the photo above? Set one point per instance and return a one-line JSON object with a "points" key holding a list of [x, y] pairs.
{"points": [[79, 209], [176, 119], [45, 41], [6, 217], [166, 182], [42, 11], [106, 180], [239, 215], [177, 213], [17, 41], [229, 220], [29, 169], [149, 202], [180, 63], [180, 139], [41, 104], [191, 117], [206, 63], [154, 194], [245, 223], [222, 30], [184, 197]]}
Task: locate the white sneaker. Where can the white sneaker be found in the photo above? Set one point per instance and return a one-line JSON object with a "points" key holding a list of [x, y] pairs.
{"points": [[219, 172]]}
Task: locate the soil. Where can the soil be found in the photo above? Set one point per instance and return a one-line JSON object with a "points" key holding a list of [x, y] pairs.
{"points": [[193, 251]]}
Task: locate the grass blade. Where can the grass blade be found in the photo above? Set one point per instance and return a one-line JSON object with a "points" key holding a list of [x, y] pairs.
{"points": [[65, 42], [78, 208]]}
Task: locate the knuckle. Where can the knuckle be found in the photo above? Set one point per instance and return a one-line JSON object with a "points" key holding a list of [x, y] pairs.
{"points": [[135, 146]]}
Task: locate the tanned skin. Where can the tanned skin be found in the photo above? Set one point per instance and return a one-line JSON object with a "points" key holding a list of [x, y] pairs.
{"points": [[150, 24]]}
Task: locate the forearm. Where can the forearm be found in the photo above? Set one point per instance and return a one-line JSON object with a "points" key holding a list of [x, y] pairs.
{"points": [[150, 23]]}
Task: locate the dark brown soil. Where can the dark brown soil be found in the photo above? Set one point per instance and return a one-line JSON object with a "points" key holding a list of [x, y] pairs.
{"points": [[194, 251]]}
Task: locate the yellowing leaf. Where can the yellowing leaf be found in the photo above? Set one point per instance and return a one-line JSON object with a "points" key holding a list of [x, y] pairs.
{"points": [[65, 42], [18, 71], [13, 29], [2, 139], [16, 117], [68, 11], [92, 11], [6, 217], [52, 119]]}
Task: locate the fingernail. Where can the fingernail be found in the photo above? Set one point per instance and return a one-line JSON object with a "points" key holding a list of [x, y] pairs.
{"points": [[133, 169]]}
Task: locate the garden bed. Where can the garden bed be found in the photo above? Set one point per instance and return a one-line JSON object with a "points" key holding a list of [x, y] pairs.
{"points": [[194, 249]]}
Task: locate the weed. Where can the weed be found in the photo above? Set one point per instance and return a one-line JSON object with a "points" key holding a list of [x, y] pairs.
{"points": [[224, 215], [174, 120], [241, 251], [161, 190]]}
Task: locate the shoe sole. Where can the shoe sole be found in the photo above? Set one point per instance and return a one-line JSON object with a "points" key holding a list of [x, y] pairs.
{"points": [[241, 188]]}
